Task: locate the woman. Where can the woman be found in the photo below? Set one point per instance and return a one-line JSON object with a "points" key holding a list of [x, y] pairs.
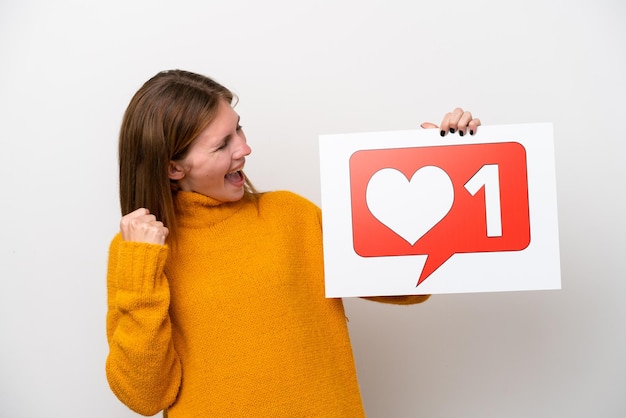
{"points": [[216, 301]]}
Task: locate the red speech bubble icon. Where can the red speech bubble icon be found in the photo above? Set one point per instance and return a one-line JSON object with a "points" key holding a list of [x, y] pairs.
{"points": [[439, 201]]}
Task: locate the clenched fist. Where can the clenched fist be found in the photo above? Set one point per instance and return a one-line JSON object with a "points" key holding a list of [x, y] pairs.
{"points": [[141, 226]]}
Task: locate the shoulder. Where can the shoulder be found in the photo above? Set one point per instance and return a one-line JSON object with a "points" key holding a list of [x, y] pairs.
{"points": [[288, 205], [287, 199]]}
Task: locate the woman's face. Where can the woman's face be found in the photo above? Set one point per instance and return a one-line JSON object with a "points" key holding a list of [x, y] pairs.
{"points": [[213, 166]]}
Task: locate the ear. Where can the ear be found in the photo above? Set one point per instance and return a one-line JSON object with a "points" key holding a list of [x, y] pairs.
{"points": [[175, 171]]}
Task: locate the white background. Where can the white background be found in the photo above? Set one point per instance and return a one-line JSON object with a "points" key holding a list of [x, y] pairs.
{"points": [[69, 68]]}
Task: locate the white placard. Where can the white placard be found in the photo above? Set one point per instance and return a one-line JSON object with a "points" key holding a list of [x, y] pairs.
{"points": [[411, 212]]}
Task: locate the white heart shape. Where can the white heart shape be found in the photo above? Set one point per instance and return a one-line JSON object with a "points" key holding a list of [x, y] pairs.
{"points": [[410, 208]]}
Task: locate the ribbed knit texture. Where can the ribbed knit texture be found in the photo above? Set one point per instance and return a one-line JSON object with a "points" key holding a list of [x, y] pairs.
{"points": [[232, 321]]}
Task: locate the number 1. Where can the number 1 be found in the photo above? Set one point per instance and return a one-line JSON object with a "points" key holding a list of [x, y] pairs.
{"points": [[488, 176]]}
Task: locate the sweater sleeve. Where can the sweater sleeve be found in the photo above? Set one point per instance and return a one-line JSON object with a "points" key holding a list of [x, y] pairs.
{"points": [[400, 300], [143, 368]]}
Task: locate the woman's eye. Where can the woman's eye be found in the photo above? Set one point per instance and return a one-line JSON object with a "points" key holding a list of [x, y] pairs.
{"points": [[239, 127]]}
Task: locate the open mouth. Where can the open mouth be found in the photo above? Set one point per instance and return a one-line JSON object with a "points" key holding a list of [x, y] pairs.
{"points": [[235, 176]]}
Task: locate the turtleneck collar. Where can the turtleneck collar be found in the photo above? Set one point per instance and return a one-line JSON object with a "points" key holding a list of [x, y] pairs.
{"points": [[197, 210]]}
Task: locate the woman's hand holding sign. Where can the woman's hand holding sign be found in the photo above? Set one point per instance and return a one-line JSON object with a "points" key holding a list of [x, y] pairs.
{"points": [[458, 120]]}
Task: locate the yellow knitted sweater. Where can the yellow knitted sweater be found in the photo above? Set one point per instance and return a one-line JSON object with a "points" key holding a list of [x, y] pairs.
{"points": [[232, 321]]}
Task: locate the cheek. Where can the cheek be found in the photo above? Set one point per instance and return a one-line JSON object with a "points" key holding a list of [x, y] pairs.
{"points": [[221, 165], [214, 171], [201, 167]]}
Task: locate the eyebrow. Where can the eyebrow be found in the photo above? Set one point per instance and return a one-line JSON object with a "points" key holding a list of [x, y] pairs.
{"points": [[227, 137]]}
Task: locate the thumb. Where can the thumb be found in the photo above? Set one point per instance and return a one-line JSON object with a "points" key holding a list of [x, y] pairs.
{"points": [[428, 125]]}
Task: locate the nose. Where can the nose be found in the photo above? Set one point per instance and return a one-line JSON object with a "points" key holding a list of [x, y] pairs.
{"points": [[242, 148]]}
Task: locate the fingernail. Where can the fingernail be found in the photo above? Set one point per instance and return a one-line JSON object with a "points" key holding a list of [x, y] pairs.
{"points": [[471, 132], [442, 133], [460, 133], [452, 130]]}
